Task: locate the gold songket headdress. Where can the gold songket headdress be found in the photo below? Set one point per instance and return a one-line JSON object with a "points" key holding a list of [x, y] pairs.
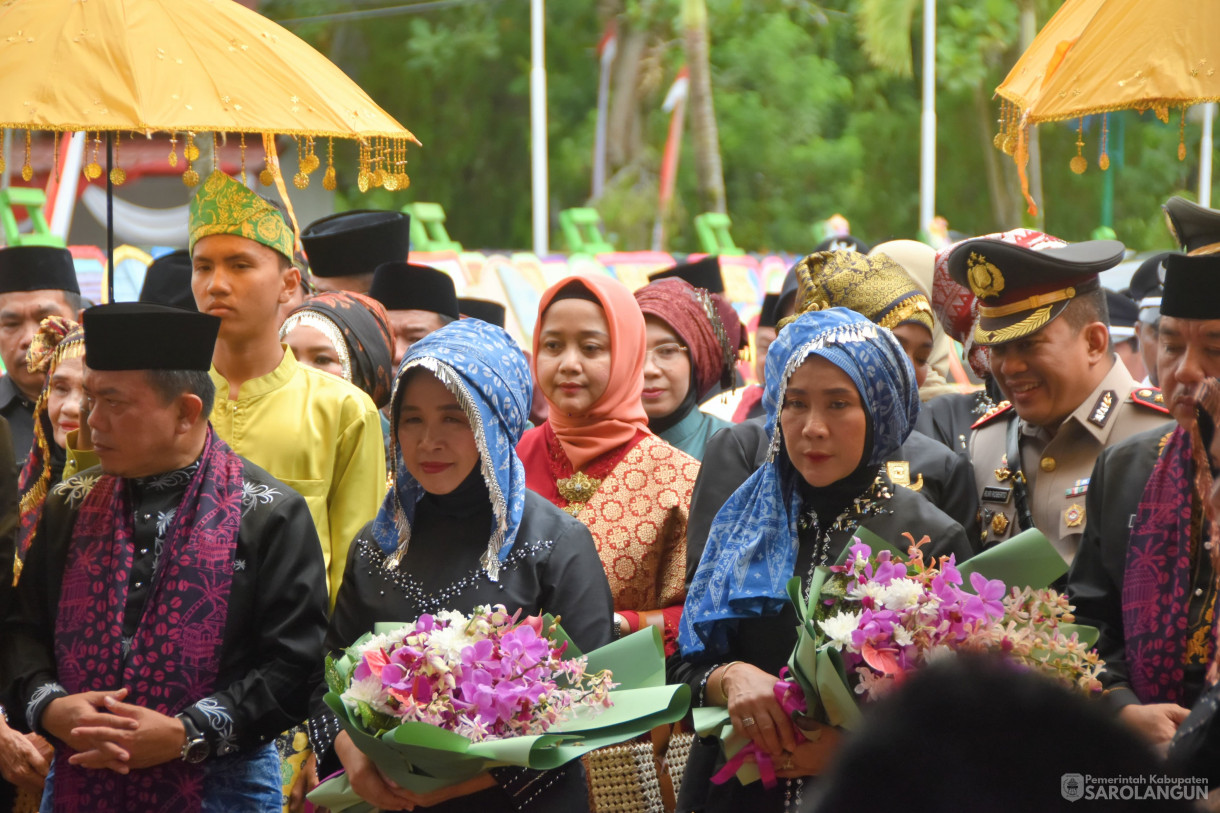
{"points": [[875, 287]]}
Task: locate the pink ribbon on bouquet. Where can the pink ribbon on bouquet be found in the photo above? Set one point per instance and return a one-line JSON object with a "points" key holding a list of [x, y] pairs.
{"points": [[791, 699]]}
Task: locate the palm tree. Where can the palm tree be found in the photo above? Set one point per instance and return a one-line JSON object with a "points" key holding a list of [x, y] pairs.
{"points": [[710, 172]]}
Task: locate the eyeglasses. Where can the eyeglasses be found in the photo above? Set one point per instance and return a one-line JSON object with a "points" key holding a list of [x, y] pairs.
{"points": [[665, 355]]}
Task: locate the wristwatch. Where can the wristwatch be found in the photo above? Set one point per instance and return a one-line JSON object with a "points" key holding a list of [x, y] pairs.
{"points": [[196, 749]]}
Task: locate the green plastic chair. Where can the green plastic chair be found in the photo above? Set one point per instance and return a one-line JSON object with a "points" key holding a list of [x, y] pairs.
{"points": [[582, 231], [428, 228], [33, 200], [713, 231]]}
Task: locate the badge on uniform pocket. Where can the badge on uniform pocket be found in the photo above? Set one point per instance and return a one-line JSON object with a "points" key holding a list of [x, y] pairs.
{"points": [[1073, 517]]}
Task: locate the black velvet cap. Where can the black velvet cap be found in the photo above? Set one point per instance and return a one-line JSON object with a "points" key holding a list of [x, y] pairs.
{"points": [[490, 312], [843, 242], [1192, 287], [767, 317], [348, 244], [141, 336], [703, 273], [401, 286], [37, 268], [168, 281], [1192, 225]]}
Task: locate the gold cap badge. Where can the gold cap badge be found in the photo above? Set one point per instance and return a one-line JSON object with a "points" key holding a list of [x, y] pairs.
{"points": [[985, 279]]}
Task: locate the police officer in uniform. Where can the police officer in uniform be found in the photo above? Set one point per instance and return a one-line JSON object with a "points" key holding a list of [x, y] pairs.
{"points": [[1043, 315]]}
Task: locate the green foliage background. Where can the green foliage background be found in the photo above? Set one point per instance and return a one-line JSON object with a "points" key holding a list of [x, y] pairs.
{"points": [[809, 126]]}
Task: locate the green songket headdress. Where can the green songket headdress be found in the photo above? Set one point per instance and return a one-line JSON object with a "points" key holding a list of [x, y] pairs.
{"points": [[225, 206]]}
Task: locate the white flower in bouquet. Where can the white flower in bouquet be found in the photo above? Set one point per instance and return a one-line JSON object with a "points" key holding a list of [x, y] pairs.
{"points": [[838, 628], [901, 594]]}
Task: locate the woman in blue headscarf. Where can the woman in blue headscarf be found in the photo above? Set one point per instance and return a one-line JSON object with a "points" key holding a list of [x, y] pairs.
{"points": [[459, 529], [841, 397]]}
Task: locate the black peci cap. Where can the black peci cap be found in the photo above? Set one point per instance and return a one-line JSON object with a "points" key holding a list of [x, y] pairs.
{"points": [[1192, 287], [168, 281], [141, 336], [37, 268], [767, 316], [402, 286], [492, 313], [348, 244], [703, 273]]}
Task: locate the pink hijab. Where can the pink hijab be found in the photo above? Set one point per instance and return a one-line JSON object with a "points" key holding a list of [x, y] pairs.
{"points": [[616, 417]]}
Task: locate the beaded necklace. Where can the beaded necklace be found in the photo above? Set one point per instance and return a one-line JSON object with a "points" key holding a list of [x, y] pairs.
{"points": [[869, 504]]}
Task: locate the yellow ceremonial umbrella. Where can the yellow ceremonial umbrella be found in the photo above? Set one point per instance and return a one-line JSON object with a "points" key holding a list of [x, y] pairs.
{"points": [[1100, 56], [183, 67], [179, 66]]}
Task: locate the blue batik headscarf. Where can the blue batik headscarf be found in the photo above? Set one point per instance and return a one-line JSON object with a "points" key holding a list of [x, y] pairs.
{"points": [[751, 548], [488, 375]]}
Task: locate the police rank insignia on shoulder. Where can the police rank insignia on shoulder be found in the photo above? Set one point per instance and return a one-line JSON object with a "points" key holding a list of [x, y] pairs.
{"points": [[1102, 409], [998, 409], [1150, 397]]}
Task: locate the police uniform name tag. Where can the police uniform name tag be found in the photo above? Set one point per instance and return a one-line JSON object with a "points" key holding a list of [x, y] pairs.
{"points": [[997, 494]]}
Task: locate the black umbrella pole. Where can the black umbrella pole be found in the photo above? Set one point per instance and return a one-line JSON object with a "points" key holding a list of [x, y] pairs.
{"points": [[109, 218]]}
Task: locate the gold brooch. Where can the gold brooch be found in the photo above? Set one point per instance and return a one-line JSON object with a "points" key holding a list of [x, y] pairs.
{"points": [[985, 279], [577, 490]]}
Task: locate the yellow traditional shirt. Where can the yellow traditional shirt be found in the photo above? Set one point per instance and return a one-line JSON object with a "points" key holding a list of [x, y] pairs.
{"points": [[318, 434], [77, 459]]}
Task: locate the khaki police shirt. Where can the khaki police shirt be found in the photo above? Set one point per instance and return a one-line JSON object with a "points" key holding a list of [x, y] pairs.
{"points": [[1057, 465]]}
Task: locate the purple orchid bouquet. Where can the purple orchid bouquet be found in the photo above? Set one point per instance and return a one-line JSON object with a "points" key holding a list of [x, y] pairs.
{"points": [[875, 617], [886, 617], [449, 695], [483, 676]]}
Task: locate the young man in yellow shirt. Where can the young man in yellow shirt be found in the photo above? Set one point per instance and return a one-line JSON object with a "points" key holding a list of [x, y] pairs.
{"points": [[311, 430]]}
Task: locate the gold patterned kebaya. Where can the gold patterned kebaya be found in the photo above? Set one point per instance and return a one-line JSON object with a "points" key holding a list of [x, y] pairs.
{"points": [[225, 206]]}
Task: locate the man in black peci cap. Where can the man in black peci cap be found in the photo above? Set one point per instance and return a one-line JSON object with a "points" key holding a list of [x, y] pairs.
{"points": [[345, 249], [35, 282], [163, 688], [1144, 574], [1043, 315], [418, 298]]}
